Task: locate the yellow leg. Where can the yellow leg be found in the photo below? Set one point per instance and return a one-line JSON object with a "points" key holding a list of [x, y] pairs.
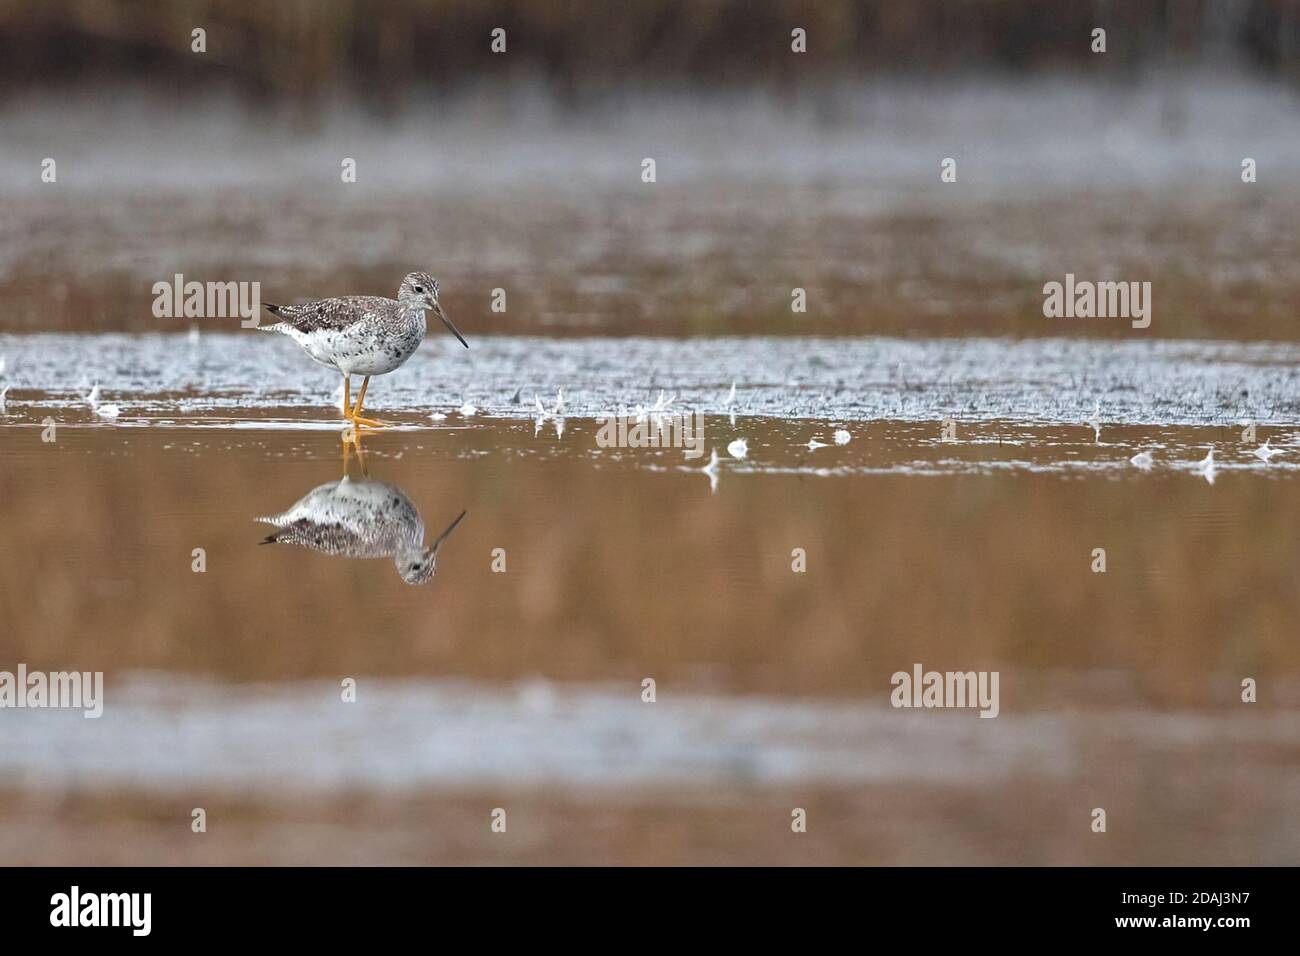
{"points": [[361, 397], [351, 435], [356, 411]]}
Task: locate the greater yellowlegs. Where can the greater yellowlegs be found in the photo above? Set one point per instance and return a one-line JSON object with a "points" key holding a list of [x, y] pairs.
{"points": [[363, 334], [363, 518]]}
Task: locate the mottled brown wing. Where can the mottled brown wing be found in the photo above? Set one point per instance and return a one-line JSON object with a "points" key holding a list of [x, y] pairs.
{"points": [[325, 538], [330, 313]]}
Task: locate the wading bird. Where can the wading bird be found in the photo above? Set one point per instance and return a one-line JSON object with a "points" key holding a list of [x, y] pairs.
{"points": [[363, 334]]}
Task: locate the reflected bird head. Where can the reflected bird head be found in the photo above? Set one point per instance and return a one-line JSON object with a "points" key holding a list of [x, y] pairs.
{"points": [[418, 567]]}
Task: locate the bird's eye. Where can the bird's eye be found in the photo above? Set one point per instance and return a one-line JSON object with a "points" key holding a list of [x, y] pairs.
{"points": [[419, 288]]}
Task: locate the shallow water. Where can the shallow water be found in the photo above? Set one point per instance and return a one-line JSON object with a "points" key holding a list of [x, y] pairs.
{"points": [[522, 688]]}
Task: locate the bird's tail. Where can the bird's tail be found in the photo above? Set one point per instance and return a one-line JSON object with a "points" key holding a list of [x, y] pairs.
{"points": [[274, 310], [278, 535], [279, 519]]}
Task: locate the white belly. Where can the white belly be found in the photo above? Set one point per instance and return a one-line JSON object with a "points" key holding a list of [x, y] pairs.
{"points": [[357, 354]]}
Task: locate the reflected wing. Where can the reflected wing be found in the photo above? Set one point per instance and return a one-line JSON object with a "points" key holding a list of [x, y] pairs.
{"points": [[328, 538]]}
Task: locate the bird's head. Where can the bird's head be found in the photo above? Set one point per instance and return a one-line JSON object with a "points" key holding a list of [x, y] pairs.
{"points": [[420, 291], [416, 565]]}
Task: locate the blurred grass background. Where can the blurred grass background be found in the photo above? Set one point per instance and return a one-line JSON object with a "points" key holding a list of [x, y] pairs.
{"points": [[777, 170], [300, 50]]}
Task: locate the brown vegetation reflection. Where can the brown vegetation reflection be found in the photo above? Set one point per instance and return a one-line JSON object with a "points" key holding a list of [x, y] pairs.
{"points": [[614, 571]]}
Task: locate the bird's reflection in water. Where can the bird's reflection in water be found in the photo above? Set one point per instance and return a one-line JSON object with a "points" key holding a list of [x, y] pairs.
{"points": [[361, 518]]}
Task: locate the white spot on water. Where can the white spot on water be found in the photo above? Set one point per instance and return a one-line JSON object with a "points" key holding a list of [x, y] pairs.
{"points": [[1205, 467], [1264, 452]]}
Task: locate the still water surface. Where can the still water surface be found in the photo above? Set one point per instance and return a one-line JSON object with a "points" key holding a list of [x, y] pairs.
{"points": [[522, 688]]}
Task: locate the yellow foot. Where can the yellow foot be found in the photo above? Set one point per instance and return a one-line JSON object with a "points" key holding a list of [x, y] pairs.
{"points": [[358, 421]]}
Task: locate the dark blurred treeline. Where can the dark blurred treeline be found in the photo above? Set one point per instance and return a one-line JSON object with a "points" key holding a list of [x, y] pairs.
{"points": [[377, 50]]}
